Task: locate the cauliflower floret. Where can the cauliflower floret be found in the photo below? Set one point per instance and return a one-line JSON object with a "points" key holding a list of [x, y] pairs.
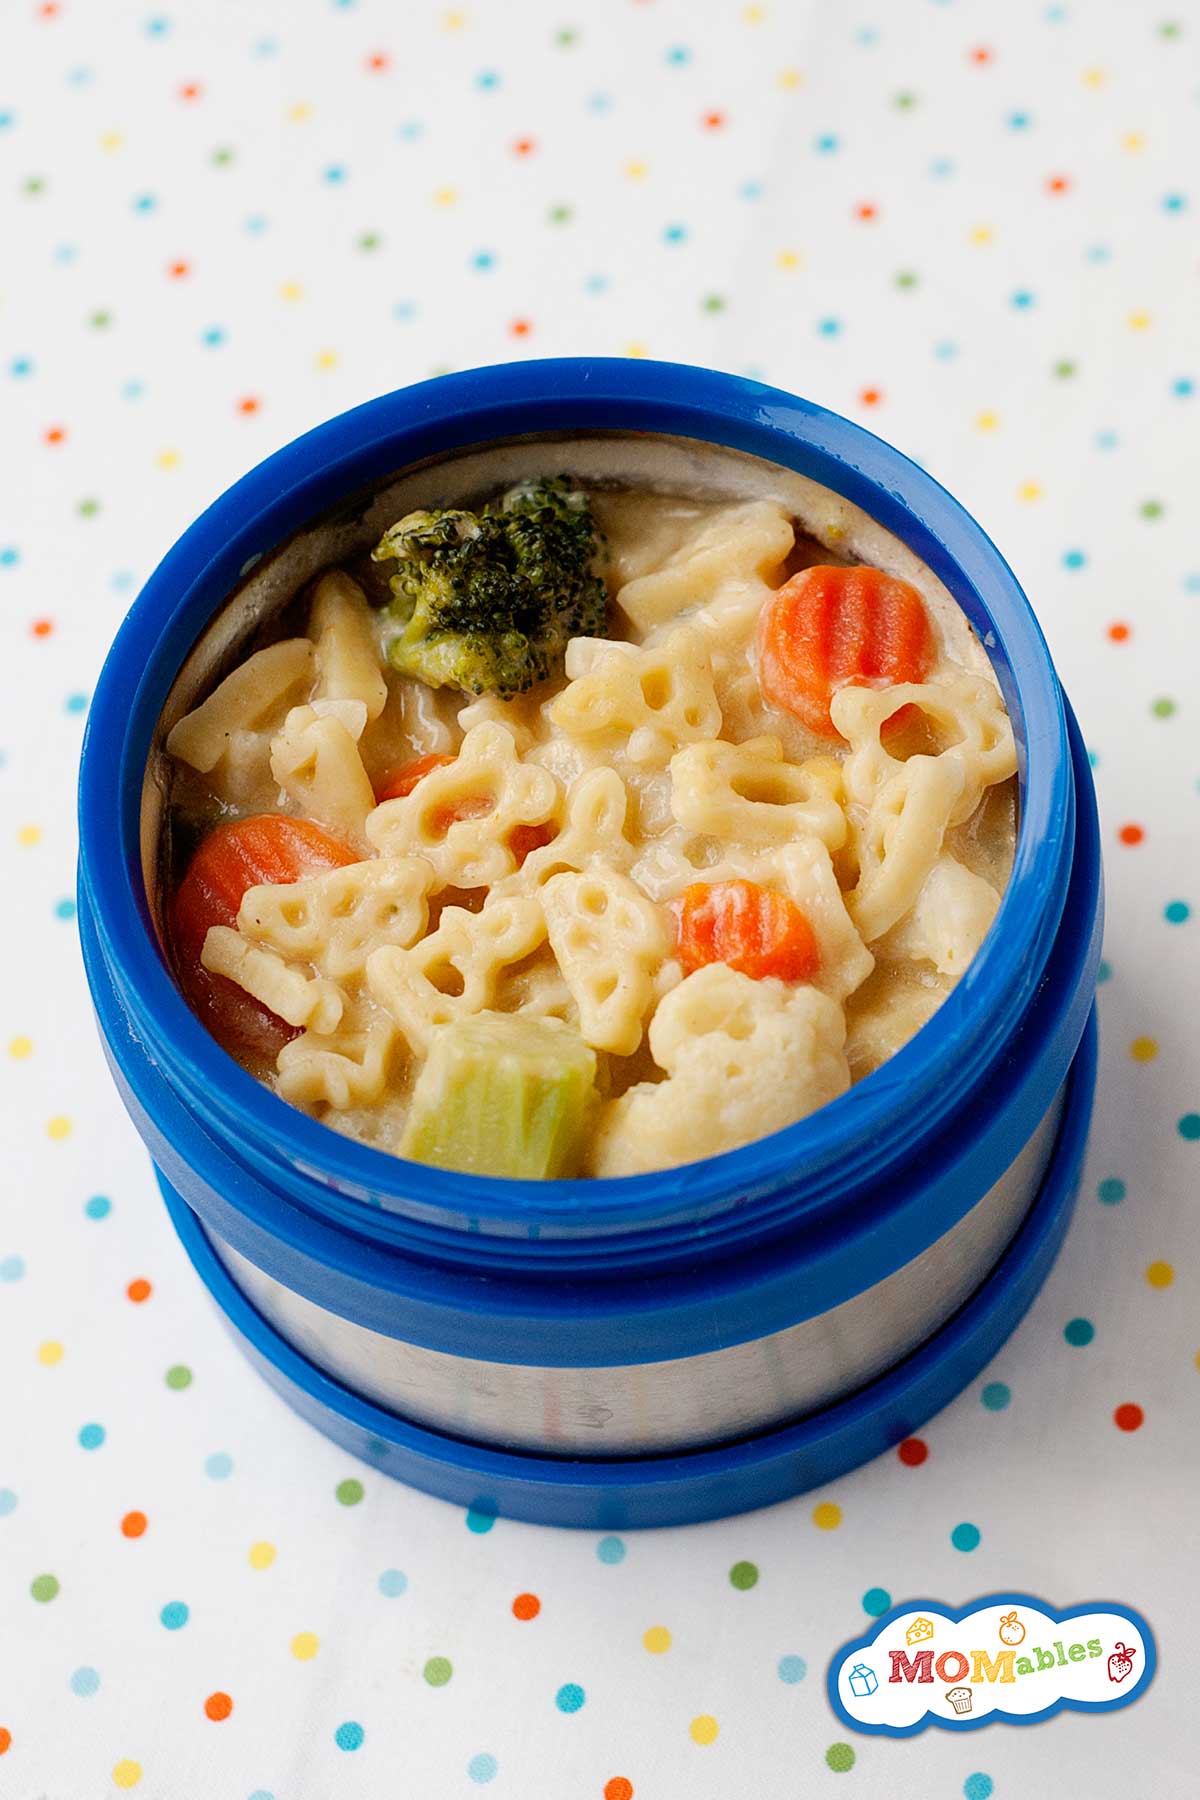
{"points": [[743, 1058]]}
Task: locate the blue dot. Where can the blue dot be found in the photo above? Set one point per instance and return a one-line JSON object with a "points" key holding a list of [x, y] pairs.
{"points": [[404, 309], [266, 47], [596, 284], [965, 1536], [1079, 1332], [481, 1517], [21, 366], [829, 327], [91, 1436], [1022, 299], [218, 1466], [1019, 121], [1183, 387], [1074, 559], [483, 1768], [678, 54], [570, 1697], [98, 1207], [599, 103], [261, 1793], [85, 1682], [1106, 440], [977, 1787], [946, 350], [64, 909], [866, 35], [674, 234], [65, 253], [133, 390], [76, 703], [487, 79], [410, 130], [12, 1268], [1111, 1191], [349, 1735], [174, 1615], [10, 556], [996, 1396], [876, 1601], [8, 1502], [1103, 973], [1098, 253], [1174, 203], [144, 203], [122, 581], [256, 224], [157, 27], [1192, 583], [1177, 912], [826, 144], [792, 1669], [941, 167], [611, 1550], [483, 259], [334, 173], [1189, 1127], [392, 1583], [7, 119], [751, 190], [79, 77]]}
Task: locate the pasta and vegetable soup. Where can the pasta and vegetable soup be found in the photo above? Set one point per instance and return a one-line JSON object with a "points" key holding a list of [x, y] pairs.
{"points": [[588, 826]]}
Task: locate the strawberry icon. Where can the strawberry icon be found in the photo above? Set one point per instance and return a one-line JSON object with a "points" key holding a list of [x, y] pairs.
{"points": [[1120, 1663]]}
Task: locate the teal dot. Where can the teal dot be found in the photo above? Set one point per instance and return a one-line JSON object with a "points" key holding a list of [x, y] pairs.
{"points": [[12, 1268], [1111, 1191], [965, 1536], [1073, 559], [260, 1794], [876, 1601], [8, 1502], [791, 1669], [91, 1436], [98, 1207], [64, 909], [570, 1697], [218, 1466], [612, 1549], [85, 1682], [392, 1583], [483, 1768], [1189, 1126], [1079, 1332], [996, 1396], [977, 1787], [1177, 912], [1103, 973], [174, 1615], [349, 1735], [481, 1517], [76, 703]]}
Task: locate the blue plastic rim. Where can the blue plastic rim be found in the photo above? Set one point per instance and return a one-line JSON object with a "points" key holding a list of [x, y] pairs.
{"points": [[821, 1168]]}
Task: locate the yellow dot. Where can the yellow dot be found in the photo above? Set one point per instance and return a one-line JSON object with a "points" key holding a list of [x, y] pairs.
{"points": [[262, 1555], [703, 1729], [167, 459], [790, 78], [981, 234], [454, 21], [111, 140], [636, 171], [1094, 78], [291, 290], [21, 1047], [827, 1516], [299, 112], [656, 1639], [636, 350], [29, 835], [1029, 490], [127, 1774], [1198, 1359], [1144, 1049], [788, 259], [986, 421], [50, 1353], [1160, 1274], [1139, 321], [326, 359], [445, 196], [1133, 140], [58, 1128], [754, 15], [305, 1645]]}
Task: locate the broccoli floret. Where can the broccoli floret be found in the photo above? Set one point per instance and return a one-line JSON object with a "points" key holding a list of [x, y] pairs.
{"points": [[487, 601]]}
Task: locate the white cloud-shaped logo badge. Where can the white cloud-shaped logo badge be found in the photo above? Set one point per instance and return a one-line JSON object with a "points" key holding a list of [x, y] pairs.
{"points": [[1005, 1657]]}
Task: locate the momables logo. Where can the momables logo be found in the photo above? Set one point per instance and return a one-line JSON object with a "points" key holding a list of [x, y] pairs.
{"points": [[1006, 1657]]}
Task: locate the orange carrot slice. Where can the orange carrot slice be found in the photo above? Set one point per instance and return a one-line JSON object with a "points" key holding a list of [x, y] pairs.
{"points": [[830, 627], [522, 839], [401, 782], [753, 929]]}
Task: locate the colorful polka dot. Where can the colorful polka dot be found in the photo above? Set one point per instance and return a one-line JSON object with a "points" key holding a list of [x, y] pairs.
{"points": [[392, 1583], [437, 1671], [876, 1601], [996, 1395], [827, 1515], [978, 1787], [218, 1707], [743, 1575], [704, 1729], [304, 1646], [1079, 1332], [791, 1670], [1160, 1274], [44, 1588], [526, 1607], [1128, 1416], [570, 1697], [840, 1758], [965, 1536], [261, 1555], [178, 1377], [611, 1550], [483, 1768], [174, 1615], [126, 1773], [657, 1640], [349, 1492], [85, 1682]]}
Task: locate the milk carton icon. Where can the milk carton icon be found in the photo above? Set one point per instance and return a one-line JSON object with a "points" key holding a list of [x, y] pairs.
{"points": [[862, 1680]]}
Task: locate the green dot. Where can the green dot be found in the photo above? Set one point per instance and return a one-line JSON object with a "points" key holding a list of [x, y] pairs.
{"points": [[179, 1376], [713, 303], [1170, 28], [566, 38], [350, 1492], [840, 1757], [905, 101], [906, 279], [34, 184], [1064, 368], [744, 1575], [438, 1670], [100, 321], [368, 240], [1152, 509], [44, 1587], [222, 156], [1163, 708], [88, 508], [559, 215]]}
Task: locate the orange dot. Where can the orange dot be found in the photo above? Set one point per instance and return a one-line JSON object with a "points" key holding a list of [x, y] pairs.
{"points": [[1128, 1417], [49, 9], [524, 146], [218, 1706], [1160, 1274], [526, 1606], [190, 90], [139, 1290], [1131, 834], [133, 1525], [379, 59], [177, 270], [866, 209], [520, 328], [1119, 633], [6, 1740], [249, 404], [1144, 1049], [42, 627], [619, 1788], [713, 121], [981, 54], [55, 434], [871, 396], [1057, 184]]}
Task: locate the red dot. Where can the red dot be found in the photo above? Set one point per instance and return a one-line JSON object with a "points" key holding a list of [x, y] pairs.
{"points": [[218, 1706], [1057, 184], [1131, 834], [177, 270], [981, 54], [912, 1452], [138, 1290], [378, 59], [526, 1606], [713, 121], [133, 1525], [520, 328], [524, 146], [1119, 632], [190, 90], [55, 434], [1128, 1417], [871, 396], [49, 9], [249, 404], [866, 209], [5, 1738], [41, 627], [619, 1788]]}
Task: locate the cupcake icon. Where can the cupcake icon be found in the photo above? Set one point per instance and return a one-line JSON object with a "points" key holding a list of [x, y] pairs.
{"points": [[959, 1698]]}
